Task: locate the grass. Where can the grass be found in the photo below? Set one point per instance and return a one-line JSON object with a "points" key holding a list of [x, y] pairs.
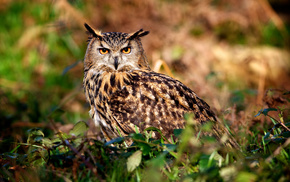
{"points": [[45, 133], [80, 157]]}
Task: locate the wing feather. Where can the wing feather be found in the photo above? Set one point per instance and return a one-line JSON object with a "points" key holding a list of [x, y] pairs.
{"points": [[154, 99]]}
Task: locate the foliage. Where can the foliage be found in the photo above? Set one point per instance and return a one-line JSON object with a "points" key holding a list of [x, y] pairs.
{"points": [[78, 156]]}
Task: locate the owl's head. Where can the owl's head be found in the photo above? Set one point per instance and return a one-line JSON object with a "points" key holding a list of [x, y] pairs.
{"points": [[115, 51]]}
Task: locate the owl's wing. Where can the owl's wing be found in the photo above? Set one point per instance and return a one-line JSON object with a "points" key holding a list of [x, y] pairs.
{"points": [[154, 99]]}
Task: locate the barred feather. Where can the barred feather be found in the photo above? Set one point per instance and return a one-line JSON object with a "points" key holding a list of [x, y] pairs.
{"points": [[132, 95]]}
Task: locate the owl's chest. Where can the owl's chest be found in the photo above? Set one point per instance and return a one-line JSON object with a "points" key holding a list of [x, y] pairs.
{"points": [[99, 87]]}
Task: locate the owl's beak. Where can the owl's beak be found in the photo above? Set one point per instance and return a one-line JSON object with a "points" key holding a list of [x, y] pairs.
{"points": [[116, 62]]}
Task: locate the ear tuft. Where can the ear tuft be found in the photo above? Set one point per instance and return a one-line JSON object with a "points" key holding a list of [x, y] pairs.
{"points": [[93, 32], [139, 33]]}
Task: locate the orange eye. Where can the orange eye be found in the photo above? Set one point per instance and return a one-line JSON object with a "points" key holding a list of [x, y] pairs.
{"points": [[126, 50], [104, 51]]}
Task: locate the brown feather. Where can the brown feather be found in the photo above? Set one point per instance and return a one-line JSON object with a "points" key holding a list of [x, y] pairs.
{"points": [[135, 96]]}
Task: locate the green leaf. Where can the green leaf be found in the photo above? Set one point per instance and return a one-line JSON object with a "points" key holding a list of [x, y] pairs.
{"points": [[151, 128], [204, 162], [134, 160], [246, 176], [47, 142], [158, 161], [38, 139], [137, 136], [170, 147], [35, 135], [279, 140], [267, 135], [265, 111], [286, 134], [79, 129], [144, 147], [115, 140], [177, 132], [35, 132]]}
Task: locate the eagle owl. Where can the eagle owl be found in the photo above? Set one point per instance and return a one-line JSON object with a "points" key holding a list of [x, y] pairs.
{"points": [[124, 93]]}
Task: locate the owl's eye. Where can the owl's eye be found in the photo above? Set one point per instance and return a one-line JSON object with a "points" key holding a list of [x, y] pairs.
{"points": [[104, 51], [126, 50]]}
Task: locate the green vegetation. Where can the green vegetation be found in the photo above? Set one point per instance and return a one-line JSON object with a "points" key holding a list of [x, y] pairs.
{"points": [[79, 157], [45, 129]]}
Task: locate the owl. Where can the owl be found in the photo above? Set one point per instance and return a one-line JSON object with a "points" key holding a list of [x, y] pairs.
{"points": [[125, 94]]}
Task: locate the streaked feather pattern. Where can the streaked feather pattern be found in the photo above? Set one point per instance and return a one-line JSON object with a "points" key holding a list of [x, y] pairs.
{"points": [[132, 95]]}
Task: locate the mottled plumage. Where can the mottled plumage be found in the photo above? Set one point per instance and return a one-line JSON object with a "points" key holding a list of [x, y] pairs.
{"points": [[124, 92]]}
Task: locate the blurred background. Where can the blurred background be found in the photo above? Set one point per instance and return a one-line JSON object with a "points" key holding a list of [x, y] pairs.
{"points": [[233, 54]]}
